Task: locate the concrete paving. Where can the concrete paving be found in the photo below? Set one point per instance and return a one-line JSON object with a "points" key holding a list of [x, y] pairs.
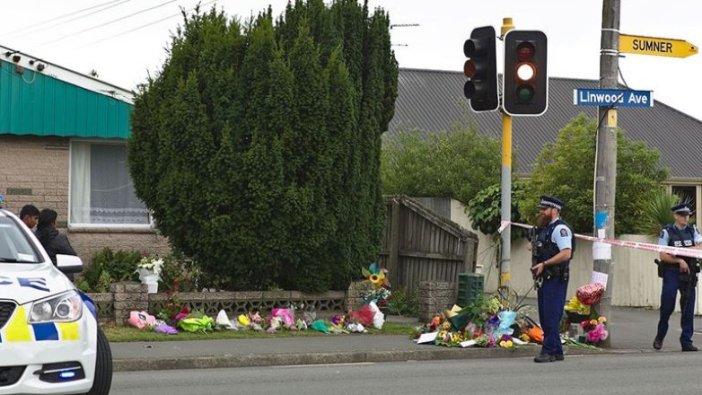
{"points": [[632, 331]]}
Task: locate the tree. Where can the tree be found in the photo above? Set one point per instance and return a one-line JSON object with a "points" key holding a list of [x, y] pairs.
{"points": [[457, 164], [485, 209], [565, 169], [257, 146]]}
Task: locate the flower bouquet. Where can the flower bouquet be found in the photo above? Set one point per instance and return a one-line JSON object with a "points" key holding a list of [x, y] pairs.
{"points": [[576, 311], [380, 291], [595, 330], [149, 269]]}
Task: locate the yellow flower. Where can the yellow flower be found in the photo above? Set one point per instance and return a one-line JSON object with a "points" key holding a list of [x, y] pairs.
{"points": [[593, 322], [524, 337], [377, 279], [509, 344], [602, 319]]}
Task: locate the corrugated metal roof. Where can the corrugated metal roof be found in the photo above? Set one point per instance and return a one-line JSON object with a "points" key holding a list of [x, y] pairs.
{"points": [[432, 100], [44, 104]]}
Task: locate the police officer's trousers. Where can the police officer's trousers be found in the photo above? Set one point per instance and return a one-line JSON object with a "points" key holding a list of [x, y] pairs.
{"points": [[551, 299], [672, 283]]}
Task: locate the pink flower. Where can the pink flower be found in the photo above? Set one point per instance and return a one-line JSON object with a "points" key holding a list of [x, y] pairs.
{"points": [[598, 334]]}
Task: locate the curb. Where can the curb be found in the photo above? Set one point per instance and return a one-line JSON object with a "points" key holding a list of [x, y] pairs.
{"points": [[325, 358]]}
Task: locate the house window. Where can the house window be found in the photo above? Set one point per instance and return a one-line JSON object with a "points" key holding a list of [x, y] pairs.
{"points": [[101, 190]]}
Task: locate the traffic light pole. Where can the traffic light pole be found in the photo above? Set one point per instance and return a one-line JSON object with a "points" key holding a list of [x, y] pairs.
{"points": [[506, 184], [606, 155], [506, 201]]}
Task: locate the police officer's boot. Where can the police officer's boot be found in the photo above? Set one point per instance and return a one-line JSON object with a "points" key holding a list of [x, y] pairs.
{"points": [[688, 347], [544, 358]]}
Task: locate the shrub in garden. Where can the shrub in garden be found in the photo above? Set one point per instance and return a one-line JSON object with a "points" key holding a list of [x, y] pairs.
{"points": [[108, 267]]}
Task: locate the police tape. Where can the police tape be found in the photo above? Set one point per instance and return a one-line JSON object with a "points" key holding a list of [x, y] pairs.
{"points": [[677, 251]]}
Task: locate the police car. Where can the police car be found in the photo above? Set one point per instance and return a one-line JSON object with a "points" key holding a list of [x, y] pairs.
{"points": [[50, 341]]}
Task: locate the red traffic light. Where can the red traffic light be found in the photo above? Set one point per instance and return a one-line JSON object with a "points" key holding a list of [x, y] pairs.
{"points": [[469, 69], [525, 51]]}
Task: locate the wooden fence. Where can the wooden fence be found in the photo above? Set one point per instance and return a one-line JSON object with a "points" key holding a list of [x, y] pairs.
{"points": [[419, 245]]}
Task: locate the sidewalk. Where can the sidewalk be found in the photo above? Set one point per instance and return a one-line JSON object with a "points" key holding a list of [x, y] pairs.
{"points": [[632, 330]]}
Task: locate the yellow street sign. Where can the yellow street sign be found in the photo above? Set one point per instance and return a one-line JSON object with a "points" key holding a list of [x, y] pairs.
{"points": [[656, 46]]}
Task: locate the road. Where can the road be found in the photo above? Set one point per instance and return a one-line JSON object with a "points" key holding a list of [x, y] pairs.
{"points": [[636, 374]]}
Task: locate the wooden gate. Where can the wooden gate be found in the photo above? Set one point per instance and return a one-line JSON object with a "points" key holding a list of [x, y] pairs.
{"points": [[419, 245]]}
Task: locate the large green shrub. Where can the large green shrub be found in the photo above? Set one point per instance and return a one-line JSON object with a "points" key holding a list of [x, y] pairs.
{"points": [[257, 146]]}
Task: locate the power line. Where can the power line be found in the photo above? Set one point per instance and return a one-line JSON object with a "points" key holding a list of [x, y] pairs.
{"points": [[40, 25], [108, 22], [404, 25], [144, 26]]}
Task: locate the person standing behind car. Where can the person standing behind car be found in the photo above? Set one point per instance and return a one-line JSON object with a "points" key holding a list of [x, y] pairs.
{"points": [[29, 214], [680, 274], [53, 242]]}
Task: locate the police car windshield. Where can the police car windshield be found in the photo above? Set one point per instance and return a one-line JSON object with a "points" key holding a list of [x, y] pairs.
{"points": [[15, 246]]}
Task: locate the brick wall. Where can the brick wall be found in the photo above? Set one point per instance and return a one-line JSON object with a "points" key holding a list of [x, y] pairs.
{"points": [[34, 170], [87, 243]]}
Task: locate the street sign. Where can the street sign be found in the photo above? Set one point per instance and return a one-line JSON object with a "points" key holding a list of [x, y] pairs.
{"points": [[655, 46], [612, 97]]}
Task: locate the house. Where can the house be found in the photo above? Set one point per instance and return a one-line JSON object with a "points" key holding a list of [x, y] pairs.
{"points": [[63, 146], [431, 100]]}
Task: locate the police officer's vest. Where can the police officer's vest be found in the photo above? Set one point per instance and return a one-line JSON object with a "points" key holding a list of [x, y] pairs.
{"points": [[684, 238], [549, 249]]}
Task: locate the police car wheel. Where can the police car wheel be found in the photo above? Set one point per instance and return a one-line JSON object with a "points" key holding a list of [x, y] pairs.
{"points": [[103, 367]]}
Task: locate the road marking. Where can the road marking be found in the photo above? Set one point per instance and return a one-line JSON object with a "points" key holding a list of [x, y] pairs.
{"points": [[325, 365]]}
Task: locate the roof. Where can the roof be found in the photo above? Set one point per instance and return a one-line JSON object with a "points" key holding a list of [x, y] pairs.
{"points": [[432, 100], [44, 99]]}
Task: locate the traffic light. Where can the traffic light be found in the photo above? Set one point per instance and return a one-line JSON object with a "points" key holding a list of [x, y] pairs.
{"points": [[525, 83], [481, 69]]}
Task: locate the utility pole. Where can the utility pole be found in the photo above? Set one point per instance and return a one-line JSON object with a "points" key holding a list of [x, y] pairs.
{"points": [[606, 157], [506, 183]]}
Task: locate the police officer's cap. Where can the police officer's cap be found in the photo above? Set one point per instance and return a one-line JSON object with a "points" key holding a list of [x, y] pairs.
{"points": [[546, 201], [681, 209]]}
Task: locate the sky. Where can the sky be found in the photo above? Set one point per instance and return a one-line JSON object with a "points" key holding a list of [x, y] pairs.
{"points": [[124, 40]]}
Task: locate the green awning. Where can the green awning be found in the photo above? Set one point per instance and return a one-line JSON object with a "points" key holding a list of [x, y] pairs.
{"points": [[35, 103]]}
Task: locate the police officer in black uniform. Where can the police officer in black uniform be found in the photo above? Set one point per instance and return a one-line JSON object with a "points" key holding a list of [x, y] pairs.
{"points": [[679, 274], [554, 247]]}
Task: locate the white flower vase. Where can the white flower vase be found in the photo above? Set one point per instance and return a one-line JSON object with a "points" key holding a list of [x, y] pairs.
{"points": [[150, 279]]}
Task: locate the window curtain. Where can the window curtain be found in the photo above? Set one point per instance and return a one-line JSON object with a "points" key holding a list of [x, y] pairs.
{"points": [[102, 191], [112, 196], [80, 183]]}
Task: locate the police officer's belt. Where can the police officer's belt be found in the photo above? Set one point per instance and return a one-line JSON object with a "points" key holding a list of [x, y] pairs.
{"points": [[555, 271]]}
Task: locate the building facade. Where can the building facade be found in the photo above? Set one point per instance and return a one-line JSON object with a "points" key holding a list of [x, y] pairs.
{"points": [[63, 145]]}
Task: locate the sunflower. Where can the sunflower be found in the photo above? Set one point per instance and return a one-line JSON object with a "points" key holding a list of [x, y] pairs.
{"points": [[377, 279]]}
